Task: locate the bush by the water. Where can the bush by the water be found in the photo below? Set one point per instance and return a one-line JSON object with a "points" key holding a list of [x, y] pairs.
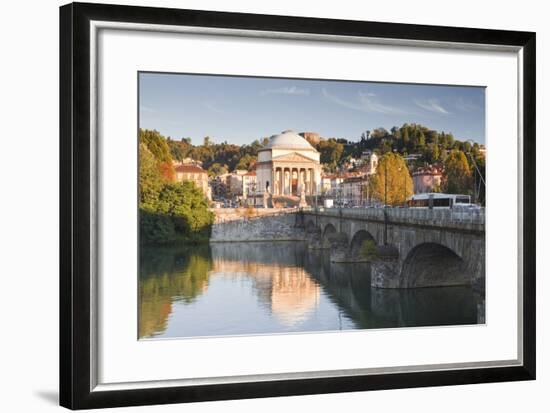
{"points": [[369, 250]]}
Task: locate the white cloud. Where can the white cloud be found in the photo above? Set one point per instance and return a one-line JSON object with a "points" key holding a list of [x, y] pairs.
{"points": [[211, 106], [147, 109], [432, 105], [287, 90], [466, 105], [363, 103]]}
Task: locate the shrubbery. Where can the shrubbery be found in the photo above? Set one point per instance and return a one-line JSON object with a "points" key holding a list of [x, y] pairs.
{"points": [[369, 250], [169, 211]]}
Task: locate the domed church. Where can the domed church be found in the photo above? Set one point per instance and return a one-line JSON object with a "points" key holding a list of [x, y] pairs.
{"points": [[288, 165]]}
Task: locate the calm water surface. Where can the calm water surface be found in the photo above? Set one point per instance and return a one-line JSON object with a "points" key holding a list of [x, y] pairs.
{"points": [[279, 287]]}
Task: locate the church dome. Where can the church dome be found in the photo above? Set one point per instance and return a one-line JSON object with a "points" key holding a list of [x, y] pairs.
{"points": [[288, 139]]}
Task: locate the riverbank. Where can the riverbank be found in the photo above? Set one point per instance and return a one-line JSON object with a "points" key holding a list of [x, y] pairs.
{"points": [[252, 225]]}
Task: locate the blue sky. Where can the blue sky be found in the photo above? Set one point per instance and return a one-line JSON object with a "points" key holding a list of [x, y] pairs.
{"points": [[241, 109]]}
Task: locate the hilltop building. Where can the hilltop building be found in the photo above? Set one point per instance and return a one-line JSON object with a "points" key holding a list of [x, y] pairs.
{"points": [[369, 162], [312, 137]]}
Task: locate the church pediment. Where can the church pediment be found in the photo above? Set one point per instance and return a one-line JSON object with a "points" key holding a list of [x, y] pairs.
{"points": [[292, 157]]}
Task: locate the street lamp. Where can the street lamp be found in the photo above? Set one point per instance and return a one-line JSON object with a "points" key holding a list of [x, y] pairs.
{"points": [[404, 184], [471, 142]]}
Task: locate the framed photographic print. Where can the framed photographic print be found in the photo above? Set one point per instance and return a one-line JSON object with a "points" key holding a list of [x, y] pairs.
{"points": [[258, 205]]}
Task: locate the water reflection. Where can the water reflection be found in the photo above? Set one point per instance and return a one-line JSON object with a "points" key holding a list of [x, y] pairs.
{"points": [[251, 288]]}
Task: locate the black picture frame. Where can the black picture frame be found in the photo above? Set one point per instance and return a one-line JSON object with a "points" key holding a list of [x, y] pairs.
{"points": [[75, 219]]}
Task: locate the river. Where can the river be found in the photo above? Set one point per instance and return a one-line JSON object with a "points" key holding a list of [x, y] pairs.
{"points": [[279, 287]]}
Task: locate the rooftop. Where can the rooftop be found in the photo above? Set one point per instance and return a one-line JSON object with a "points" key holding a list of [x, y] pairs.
{"points": [[187, 168], [288, 139]]}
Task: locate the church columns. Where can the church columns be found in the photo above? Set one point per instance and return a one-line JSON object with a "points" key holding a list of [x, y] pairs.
{"points": [[279, 181], [287, 181], [291, 180]]}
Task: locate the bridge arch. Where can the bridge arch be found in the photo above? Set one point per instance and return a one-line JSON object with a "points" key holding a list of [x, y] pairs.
{"points": [[357, 242], [431, 264], [328, 232], [310, 227]]}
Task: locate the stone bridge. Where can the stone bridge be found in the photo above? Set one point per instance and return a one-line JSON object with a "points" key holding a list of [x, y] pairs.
{"points": [[407, 247]]}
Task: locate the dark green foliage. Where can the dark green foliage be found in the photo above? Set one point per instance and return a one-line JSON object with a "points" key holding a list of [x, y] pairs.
{"points": [[188, 207], [180, 213], [156, 143], [217, 169], [369, 249], [225, 154], [155, 228], [331, 152], [246, 162], [150, 180]]}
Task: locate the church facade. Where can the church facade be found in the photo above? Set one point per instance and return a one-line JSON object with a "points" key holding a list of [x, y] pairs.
{"points": [[288, 165]]}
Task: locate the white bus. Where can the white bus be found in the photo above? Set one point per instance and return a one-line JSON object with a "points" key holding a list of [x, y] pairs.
{"points": [[439, 200]]}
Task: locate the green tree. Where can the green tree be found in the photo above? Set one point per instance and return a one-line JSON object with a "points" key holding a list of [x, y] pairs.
{"points": [[246, 162], [331, 151], [421, 140], [405, 135], [150, 180], [179, 149], [188, 207], [457, 177], [392, 180], [217, 169], [379, 133], [156, 143]]}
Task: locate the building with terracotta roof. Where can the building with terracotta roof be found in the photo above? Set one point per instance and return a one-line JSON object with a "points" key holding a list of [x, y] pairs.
{"points": [[427, 179], [195, 174]]}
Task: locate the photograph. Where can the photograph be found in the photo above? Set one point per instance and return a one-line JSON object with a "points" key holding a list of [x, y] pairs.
{"points": [[285, 205], [296, 197]]}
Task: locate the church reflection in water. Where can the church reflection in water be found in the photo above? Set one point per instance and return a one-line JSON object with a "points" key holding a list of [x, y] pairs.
{"points": [[262, 288]]}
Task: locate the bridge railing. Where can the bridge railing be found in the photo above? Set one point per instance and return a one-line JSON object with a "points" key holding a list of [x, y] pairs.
{"points": [[234, 215], [475, 217]]}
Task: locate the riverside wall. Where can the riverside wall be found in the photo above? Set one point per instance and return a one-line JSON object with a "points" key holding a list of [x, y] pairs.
{"points": [[256, 224]]}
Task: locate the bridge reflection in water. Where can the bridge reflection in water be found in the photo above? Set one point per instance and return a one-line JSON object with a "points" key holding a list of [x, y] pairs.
{"points": [[279, 287]]}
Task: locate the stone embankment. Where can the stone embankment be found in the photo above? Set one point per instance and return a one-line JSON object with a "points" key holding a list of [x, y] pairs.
{"points": [[255, 224]]}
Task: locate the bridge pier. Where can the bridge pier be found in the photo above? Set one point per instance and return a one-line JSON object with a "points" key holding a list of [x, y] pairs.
{"points": [[385, 273], [338, 247]]}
